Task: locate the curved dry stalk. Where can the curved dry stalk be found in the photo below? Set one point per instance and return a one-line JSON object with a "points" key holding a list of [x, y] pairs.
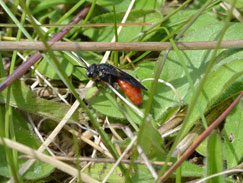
{"points": [[47, 159], [233, 171]]}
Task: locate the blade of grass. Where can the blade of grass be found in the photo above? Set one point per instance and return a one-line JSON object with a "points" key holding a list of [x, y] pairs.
{"points": [[214, 157], [188, 76], [77, 155], [12, 155], [90, 12], [67, 14], [2, 71], [116, 37]]}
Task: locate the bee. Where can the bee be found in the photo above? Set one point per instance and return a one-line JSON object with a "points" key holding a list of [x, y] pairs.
{"points": [[110, 74]]}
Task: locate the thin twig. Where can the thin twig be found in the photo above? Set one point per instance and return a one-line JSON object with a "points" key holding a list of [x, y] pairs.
{"points": [[107, 160], [116, 46], [79, 25]]}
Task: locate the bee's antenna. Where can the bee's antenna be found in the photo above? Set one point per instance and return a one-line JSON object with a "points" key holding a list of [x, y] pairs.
{"points": [[80, 66], [85, 63], [80, 58]]}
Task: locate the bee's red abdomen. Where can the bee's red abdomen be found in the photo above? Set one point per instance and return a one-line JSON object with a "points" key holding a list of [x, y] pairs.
{"points": [[133, 93]]}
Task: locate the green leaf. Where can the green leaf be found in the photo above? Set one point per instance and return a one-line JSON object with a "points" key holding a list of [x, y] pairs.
{"points": [[47, 70], [239, 3], [151, 142], [24, 135], [234, 136], [122, 5], [24, 99], [188, 170], [215, 158], [128, 33], [102, 104], [99, 171], [215, 85], [202, 148], [44, 5], [196, 61]]}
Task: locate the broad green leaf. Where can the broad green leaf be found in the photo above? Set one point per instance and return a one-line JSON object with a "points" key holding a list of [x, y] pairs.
{"points": [[215, 85], [142, 173], [202, 148], [24, 99], [152, 142], [44, 5], [239, 3], [106, 34], [99, 171], [234, 136], [24, 135], [122, 5], [225, 72], [203, 21], [191, 170], [215, 158], [102, 104], [196, 61], [47, 70]]}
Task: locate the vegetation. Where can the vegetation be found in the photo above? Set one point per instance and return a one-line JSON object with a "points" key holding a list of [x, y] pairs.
{"points": [[189, 126]]}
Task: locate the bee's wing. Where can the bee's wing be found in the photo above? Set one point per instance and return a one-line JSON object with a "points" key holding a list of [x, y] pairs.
{"points": [[130, 79], [120, 74]]}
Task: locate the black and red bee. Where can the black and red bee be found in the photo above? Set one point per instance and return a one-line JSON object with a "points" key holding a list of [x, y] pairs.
{"points": [[110, 74]]}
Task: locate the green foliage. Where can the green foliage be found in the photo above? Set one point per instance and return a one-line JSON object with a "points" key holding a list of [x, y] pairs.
{"points": [[223, 82], [99, 171], [239, 3], [23, 98], [46, 70], [234, 137], [24, 136], [127, 33], [215, 157]]}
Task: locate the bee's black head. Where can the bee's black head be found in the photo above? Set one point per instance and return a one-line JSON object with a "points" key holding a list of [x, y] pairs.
{"points": [[92, 71]]}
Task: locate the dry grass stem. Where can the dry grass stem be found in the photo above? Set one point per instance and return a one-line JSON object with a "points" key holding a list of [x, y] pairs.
{"points": [[122, 46], [47, 159]]}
